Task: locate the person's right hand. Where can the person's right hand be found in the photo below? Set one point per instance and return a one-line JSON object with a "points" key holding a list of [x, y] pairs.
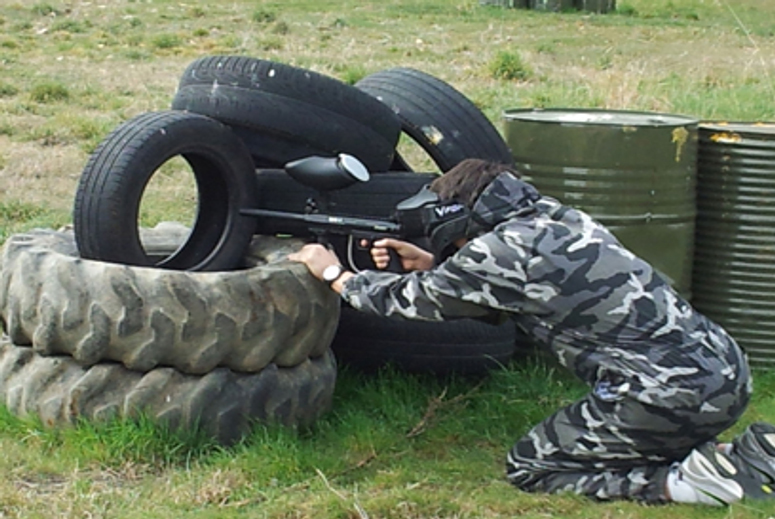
{"points": [[412, 257]]}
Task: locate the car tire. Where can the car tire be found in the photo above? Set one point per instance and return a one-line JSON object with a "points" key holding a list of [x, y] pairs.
{"points": [[445, 123], [284, 113], [464, 346], [110, 191]]}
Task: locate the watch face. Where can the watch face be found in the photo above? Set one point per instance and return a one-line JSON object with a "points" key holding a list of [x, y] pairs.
{"points": [[332, 272]]}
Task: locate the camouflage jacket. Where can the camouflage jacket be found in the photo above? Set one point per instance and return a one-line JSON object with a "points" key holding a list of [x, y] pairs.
{"points": [[571, 286]]}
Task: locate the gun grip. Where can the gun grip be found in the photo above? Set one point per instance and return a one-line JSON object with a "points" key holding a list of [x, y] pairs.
{"points": [[394, 264], [394, 261]]}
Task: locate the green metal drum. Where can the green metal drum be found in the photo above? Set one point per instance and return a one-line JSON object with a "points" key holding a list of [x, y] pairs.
{"points": [[734, 266], [634, 172]]}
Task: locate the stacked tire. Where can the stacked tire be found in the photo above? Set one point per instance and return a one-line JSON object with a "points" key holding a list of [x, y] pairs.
{"points": [[206, 351], [281, 113], [210, 327]]}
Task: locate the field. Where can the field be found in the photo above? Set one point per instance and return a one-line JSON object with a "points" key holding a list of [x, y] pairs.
{"points": [[394, 445]]}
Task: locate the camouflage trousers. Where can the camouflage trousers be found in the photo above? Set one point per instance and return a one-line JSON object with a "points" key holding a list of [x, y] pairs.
{"points": [[617, 448]]}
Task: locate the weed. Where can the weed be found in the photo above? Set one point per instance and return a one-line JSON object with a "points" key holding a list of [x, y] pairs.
{"points": [[263, 16], [14, 211], [605, 62], [166, 41], [271, 43], [281, 28], [547, 47], [135, 40], [71, 26], [8, 43], [16, 216], [7, 89], [509, 66], [197, 12], [48, 136], [137, 55], [44, 9], [351, 74], [8, 130], [49, 92], [230, 41]]}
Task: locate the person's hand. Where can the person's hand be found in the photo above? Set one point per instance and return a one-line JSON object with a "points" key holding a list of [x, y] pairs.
{"points": [[412, 257], [316, 256]]}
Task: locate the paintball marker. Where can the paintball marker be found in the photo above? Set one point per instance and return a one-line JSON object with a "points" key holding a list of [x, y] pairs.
{"points": [[318, 222]]}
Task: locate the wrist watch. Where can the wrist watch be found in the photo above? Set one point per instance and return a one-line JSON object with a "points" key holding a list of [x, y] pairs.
{"points": [[332, 272]]}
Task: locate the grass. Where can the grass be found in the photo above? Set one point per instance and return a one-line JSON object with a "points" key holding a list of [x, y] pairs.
{"points": [[104, 64], [394, 445]]}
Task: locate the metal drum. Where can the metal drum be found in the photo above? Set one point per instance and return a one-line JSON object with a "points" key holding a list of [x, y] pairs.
{"points": [[734, 266], [634, 172]]}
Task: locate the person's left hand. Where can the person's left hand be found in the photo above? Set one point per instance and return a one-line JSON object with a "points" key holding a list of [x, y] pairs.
{"points": [[316, 256]]}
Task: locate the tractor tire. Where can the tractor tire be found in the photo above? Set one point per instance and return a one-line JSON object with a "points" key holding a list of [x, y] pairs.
{"points": [[222, 403], [270, 313]]}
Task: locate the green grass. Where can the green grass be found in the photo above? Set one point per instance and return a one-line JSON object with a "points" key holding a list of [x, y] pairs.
{"points": [[393, 445], [20, 216]]}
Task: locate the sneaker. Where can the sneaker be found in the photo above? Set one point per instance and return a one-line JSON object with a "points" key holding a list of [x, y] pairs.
{"points": [[754, 450], [715, 478]]}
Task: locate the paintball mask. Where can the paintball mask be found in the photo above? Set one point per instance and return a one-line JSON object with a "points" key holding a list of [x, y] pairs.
{"points": [[424, 214]]}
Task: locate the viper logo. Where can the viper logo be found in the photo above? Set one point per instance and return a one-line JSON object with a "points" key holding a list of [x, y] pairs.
{"points": [[446, 210]]}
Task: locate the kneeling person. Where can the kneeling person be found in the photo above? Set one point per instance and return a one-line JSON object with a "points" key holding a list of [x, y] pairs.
{"points": [[664, 379]]}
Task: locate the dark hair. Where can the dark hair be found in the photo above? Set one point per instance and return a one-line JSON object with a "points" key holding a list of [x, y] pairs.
{"points": [[466, 181]]}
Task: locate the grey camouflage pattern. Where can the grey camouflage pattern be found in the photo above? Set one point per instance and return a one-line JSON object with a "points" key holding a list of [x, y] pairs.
{"points": [[664, 378]]}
